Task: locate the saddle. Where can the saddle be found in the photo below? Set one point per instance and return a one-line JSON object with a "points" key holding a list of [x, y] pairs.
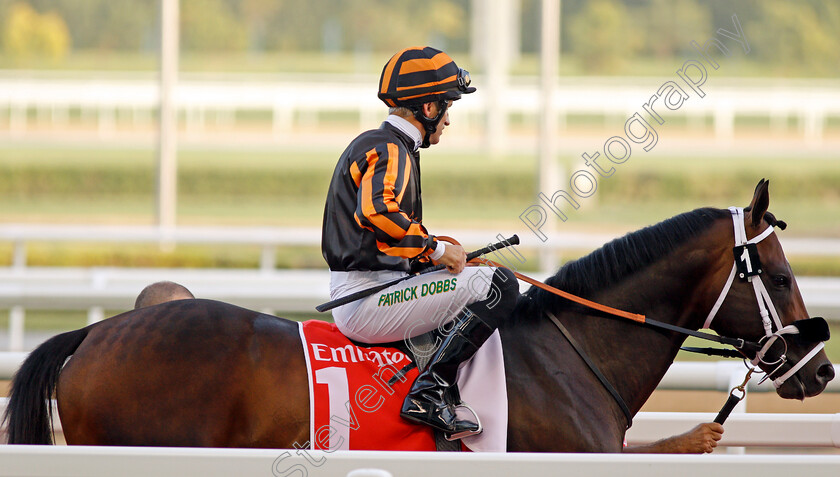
{"points": [[357, 390], [420, 351]]}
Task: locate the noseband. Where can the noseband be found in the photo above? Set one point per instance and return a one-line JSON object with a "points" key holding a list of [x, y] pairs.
{"points": [[748, 268]]}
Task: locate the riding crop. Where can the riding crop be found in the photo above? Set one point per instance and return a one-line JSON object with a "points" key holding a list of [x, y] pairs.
{"points": [[514, 240]]}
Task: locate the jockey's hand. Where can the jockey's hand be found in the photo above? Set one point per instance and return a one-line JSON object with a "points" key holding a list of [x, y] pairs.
{"points": [[454, 257]]}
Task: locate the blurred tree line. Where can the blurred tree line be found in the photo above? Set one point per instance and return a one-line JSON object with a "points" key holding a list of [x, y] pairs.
{"points": [[605, 36], [786, 36]]}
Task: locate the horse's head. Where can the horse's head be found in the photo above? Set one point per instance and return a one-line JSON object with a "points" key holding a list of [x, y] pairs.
{"points": [[761, 303]]}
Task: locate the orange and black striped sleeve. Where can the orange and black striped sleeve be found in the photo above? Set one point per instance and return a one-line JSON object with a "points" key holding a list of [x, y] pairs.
{"points": [[382, 177]]}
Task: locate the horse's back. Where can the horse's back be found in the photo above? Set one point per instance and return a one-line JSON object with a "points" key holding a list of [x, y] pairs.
{"points": [[186, 373]]}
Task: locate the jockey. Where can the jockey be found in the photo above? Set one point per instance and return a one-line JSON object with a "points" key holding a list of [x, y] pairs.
{"points": [[373, 233]]}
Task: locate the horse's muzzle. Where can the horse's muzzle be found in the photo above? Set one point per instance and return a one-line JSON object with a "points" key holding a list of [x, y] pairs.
{"points": [[825, 373]]}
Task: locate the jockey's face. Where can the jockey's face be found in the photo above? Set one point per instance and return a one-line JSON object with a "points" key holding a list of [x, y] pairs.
{"points": [[431, 110]]}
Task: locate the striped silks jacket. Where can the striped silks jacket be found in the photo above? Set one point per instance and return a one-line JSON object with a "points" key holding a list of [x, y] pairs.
{"points": [[373, 214]]}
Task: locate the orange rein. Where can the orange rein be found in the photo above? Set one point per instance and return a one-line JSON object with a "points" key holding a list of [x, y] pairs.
{"points": [[556, 291]]}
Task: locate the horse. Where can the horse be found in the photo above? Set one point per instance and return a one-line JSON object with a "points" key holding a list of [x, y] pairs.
{"points": [[206, 373]]}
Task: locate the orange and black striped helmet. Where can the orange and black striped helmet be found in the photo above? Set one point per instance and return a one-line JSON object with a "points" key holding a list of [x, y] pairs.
{"points": [[420, 75]]}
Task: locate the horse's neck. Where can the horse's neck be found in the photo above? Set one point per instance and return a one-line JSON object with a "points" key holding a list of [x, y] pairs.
{"points": [[645, 353], [635, 357]]}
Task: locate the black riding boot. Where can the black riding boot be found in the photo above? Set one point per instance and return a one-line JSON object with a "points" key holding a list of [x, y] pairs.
{"points": [[426, 402]]}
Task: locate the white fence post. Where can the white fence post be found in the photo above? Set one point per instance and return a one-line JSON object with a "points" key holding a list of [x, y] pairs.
{"points": [[268, 258], [16, 318], [19, 254], [95, 315]]}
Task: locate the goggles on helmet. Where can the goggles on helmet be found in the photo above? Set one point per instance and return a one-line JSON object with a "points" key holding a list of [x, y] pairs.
{"points": [[464, 80]]}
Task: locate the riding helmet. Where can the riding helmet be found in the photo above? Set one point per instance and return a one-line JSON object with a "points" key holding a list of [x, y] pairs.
{"points": [[420, 75]]}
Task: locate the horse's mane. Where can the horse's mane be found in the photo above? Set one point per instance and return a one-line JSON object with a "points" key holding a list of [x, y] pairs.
{"points": [[623, 257]]}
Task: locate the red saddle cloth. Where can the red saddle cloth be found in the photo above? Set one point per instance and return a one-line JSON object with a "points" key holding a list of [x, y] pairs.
{"points": [[352, 406]]}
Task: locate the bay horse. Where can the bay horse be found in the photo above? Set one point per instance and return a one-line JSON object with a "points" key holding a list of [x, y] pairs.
{"points": [[206, 373]]}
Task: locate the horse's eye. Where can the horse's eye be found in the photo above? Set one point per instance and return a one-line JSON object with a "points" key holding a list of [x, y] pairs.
{"points": [[781, 281]]}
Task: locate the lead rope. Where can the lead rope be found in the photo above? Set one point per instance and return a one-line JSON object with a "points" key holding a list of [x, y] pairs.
{"points": [[733, 399]]}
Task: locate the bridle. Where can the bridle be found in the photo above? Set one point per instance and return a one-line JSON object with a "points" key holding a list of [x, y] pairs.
{"points": [[747, 266]]}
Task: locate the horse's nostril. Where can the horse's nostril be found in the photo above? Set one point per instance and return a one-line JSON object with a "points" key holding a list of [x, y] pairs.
{"points": [[826, 372]]}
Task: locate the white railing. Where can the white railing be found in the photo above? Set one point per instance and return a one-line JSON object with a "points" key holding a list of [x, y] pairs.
{"points": [[743, 429], [270, 238], [280, 291], [719, 376], [116, 289], [141, 461], [287, 96], [97, 289]]}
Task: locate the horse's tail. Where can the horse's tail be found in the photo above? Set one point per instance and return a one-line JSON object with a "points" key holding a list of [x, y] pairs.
{"points": [[29, 411]]}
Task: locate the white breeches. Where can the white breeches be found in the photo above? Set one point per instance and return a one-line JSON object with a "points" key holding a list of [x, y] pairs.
{"points": [[409, 308]]}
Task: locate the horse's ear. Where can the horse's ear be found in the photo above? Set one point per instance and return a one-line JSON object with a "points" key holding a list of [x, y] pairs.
{"points": [[760, 202]]}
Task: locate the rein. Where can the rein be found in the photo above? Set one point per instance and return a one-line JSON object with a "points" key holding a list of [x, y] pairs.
{"points": [[738, 343], [747, 266]]}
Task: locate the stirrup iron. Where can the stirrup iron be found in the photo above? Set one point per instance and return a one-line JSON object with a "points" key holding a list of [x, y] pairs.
{"points": [[461, 435]]}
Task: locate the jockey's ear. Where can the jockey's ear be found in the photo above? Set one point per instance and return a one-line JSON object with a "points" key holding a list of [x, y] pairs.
{"points": [[760, 202]]}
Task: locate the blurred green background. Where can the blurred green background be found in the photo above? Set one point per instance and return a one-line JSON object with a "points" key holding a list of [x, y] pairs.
{"points": [[603, 37], [47, 178]]}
